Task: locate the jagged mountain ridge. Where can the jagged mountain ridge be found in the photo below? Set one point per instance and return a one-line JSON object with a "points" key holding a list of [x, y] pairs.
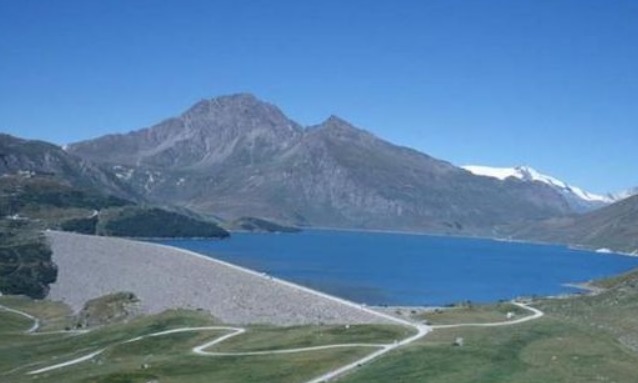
{"points": [[237, 156], [579, 199]]}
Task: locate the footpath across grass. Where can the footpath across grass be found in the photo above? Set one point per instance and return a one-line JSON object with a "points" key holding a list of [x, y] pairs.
{"points": [[579, 340], [169, 358], [545, 350], [591, 338], [471, 313]]}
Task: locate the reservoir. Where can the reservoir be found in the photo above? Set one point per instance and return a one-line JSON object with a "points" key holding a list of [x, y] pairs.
{"points": [[407, 269]]}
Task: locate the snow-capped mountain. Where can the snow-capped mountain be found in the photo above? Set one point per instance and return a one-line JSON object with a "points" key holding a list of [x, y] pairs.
{"points": [[578, 199], [624, 194]]}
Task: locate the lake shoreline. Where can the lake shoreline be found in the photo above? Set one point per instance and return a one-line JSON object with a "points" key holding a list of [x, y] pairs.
{"points": [[572, 246], [413, 270]]}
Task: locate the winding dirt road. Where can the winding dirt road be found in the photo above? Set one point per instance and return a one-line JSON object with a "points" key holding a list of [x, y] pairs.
{"points": [[421, 331]]}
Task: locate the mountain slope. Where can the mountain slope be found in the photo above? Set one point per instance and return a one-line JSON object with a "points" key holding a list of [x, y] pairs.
{"points": [[44, 187], [237, 156], [579, 199], [613, 227], [30, 157], [624, 194]]}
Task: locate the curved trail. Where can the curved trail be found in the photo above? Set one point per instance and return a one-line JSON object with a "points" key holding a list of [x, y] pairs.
{"points": [[537, 314], [36, 321], [422, 330]]}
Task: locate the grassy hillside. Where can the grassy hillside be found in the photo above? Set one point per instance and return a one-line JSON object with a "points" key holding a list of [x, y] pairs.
{"points": [[133, 221], [580, 339], [46, 202], [31, 203], [169, 358], [613, 227]]}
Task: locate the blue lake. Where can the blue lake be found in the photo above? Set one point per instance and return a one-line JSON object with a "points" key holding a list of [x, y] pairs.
{"points": [[405, 269]]}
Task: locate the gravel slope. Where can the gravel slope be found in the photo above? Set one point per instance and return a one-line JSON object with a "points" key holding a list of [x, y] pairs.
{"points": [[164, 277]]}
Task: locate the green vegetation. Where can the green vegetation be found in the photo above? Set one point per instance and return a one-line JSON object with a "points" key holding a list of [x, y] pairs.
{"points": [[469, 313], [546, 350], [617, 281], [53, 316], [169, 358], [45, 202], [580, 339], [271, 338], [592, 338], [86, 225], [154, 222], [25, 261], [612, 312], [34, 195], [260, 225]]}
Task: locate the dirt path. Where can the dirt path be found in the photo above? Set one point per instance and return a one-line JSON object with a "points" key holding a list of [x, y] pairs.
{"points": [[422, 330], [536, 313]]}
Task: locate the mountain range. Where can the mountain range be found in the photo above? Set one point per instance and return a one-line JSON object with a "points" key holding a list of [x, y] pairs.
{"points": [[239, 159], [578, 199], [236, 156]]}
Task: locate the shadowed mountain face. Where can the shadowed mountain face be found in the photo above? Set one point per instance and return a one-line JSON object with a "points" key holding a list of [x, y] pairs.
{"points": [[237, 156], [36, 157], [613, 227]]}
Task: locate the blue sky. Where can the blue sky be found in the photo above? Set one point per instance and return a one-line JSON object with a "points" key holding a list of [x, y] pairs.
{"points": [[551, 84]]}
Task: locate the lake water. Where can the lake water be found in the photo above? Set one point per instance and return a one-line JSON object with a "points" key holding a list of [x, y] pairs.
{"points": [[404, 269]]}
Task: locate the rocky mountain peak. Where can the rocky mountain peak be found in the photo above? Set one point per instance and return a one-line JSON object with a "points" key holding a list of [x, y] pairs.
{"points": [[210, 132], [236, 156], [338, 128], [238, 111]]}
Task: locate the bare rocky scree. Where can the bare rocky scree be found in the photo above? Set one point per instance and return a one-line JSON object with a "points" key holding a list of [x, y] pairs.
{"points": [[163, 278]]}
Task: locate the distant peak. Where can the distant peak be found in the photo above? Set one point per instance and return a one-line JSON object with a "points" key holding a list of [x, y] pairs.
{"points": [[529, 174], [236, 99], [335, 122], [231, 101], [237, 96], [334, 119]]}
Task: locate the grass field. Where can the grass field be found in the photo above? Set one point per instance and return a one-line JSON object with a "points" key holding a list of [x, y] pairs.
{"points": [[472, 314], [579, 340], [546, 350], [169, 358]]}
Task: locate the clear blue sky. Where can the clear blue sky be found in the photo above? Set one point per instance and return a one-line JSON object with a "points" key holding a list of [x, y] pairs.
{"points": [[552, 84]]}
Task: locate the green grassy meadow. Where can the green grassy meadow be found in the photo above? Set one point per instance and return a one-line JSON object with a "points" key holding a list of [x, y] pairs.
{"points": [[169, 358], [590, 338]]}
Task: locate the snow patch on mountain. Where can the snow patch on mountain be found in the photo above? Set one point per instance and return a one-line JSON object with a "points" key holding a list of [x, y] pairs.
{"points": [[577, 197], [624, 194]]}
